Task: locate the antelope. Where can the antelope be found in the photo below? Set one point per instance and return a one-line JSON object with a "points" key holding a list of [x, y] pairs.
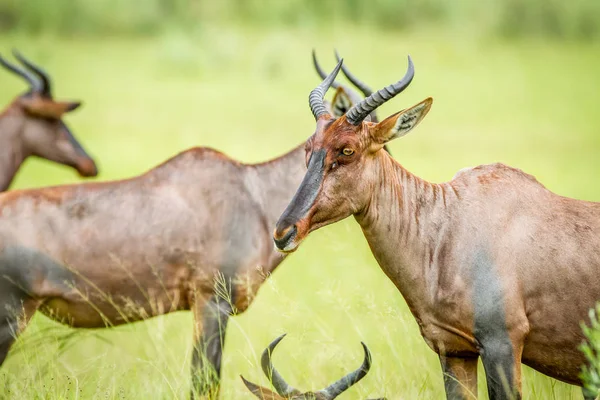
{"points": [[32, 125], [102, 254], [491, 264], [287, 392]]}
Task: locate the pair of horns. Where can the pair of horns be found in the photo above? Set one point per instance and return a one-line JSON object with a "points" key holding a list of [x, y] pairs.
{"points": [[366, 106], [329, 393], [39, 82]]}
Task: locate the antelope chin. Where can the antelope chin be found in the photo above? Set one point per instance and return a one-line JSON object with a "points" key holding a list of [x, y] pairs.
{"points": [[289, 248]]}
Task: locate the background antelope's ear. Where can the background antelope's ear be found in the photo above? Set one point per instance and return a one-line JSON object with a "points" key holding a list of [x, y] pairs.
{"points": [[341, 103], [47, 108], [261, 392], [400, 123]]}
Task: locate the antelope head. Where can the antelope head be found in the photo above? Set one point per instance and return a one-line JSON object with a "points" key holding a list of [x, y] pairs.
{"points": [[344, 159], [286, 392], [35, 121]]}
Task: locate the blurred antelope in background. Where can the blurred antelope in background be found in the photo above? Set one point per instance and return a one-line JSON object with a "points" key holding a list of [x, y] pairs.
{"points": [[32, 126], [285, 391], [194, 233], [492, 264]]}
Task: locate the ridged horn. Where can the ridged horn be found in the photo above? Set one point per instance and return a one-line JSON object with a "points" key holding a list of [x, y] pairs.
{"points": [[340, 386], [315, 99], [268, 368], [360, 111]]}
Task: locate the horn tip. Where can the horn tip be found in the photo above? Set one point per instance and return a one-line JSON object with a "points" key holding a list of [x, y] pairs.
{"points": [[280, 338]]}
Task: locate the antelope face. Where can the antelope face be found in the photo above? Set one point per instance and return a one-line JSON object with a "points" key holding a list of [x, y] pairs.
{"points": [[42, 130], [286, 392], [343, 157], [45, 135]]}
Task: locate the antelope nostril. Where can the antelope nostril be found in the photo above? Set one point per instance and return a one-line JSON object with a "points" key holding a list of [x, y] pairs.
{"points": [[282, 239]]}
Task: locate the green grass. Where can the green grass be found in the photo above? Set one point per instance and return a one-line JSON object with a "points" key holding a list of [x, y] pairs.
{"points": [[531, 104]]}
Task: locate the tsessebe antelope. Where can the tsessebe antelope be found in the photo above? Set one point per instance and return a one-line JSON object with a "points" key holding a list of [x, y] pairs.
{"points": [[32, 126], [286, 392], [104, 254], [492, 264]]}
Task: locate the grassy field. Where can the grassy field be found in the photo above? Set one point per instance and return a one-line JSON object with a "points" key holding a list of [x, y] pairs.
{"points": [[531, 104]]}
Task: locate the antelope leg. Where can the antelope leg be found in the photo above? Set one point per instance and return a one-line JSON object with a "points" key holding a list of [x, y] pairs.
{"points": [[460, 377], [210, 325]]}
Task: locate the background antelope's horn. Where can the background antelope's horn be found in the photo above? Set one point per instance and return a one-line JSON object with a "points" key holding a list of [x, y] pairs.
{"points": [[268, 368], [338, 387], [360, 111], [34, 84], [45, 88]]}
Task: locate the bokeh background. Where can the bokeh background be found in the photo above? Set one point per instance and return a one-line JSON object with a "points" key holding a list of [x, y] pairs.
{"points": [[514, 81]]}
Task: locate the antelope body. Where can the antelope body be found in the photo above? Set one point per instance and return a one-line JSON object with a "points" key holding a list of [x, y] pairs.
{"points": [[492, 264], [32, 126], [191, 234]]}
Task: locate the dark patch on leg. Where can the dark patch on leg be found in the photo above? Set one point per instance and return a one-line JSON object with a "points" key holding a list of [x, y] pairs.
{"points": [[12, 302], [456, 382], [28, 269], [22, 273], [206, 360], [490, 329]]}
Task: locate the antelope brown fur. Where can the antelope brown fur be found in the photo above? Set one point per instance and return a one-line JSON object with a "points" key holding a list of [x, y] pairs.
{"points": [[492, 264], [104, 254], [286, 392], [32, 126]]}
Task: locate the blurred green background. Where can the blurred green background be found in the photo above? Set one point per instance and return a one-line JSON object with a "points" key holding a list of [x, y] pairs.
{"points": [[514, 81]]}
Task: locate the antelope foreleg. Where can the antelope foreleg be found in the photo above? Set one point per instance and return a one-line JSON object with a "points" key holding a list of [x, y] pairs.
{"points": [[209, 338], [502, 364], [460, 377], [16, 309]]}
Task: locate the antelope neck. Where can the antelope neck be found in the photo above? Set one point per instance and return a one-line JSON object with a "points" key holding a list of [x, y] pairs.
{"points": [[274, 182], [12, 154], [406, 222]]}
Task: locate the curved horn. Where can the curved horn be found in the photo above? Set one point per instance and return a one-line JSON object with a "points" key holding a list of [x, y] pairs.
{"points": [[315, 99], [338, 387], [335, 84], [269, 369], [359, 112], [366, 90], [33, 83], [354, 97], [45, 88]]}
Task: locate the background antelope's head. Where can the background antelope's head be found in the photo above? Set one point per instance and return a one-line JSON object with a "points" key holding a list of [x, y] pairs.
{"points": [[344, 160], [286, 392], [34, 122]]}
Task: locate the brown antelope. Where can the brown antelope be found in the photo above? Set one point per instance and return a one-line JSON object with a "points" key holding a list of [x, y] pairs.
{"points": [[492, 264], [286, 392], [104, 254], [32, 126]]}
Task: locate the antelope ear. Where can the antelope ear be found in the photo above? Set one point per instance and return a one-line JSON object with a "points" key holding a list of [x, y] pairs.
{"points": [[341, 103], [400, 123], [47, 108], [261, 392]]}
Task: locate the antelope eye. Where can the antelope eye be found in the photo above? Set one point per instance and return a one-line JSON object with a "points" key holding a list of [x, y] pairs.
{"points": [[347, 151]]}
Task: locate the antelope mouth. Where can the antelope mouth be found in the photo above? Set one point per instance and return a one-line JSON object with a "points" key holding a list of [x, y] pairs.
{"points": [[286, 242]]}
